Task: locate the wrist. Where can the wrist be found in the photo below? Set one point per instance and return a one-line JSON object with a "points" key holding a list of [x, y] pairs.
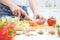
{"points": [[11, 5], [36, 12]]}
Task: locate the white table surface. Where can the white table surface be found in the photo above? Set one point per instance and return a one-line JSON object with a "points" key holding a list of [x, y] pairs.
{"points": [[38, 37], [45, 36]]}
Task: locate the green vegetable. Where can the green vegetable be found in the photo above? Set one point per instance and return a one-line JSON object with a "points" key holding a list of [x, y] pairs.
{"points": [[10, 31], [56, 26], [1, 23]]}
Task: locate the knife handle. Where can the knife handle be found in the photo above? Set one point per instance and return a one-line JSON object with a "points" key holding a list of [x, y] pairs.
{"points": [[22, 17]]}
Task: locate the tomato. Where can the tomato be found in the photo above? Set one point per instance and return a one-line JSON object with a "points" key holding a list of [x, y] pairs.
{"points": [[51, 21]]}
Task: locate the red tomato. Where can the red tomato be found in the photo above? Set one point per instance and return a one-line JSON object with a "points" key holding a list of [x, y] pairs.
{"points": [[51, 21]]}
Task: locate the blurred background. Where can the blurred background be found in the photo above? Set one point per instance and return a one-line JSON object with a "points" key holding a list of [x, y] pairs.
{"points": [[48, 8]]}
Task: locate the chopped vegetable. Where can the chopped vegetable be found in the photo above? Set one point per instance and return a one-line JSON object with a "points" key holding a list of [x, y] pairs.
{"points": [[56, 26]]}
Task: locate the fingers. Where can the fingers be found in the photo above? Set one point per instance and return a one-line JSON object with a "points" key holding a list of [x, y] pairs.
{"points": [[19, 13], [40, 19], [26, 16], [15, 12], [37, 17], [24, 13]]}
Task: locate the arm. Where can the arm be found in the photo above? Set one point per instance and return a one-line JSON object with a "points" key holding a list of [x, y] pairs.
{"points": [[11, 5], [16, 10], [8, 3], [37, 15], [33, 5]]}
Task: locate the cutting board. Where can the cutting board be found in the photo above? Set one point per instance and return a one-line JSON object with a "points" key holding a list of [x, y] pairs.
{"points": [[35, 27]]}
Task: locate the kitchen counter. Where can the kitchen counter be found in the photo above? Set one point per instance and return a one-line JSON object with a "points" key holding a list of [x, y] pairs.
{"points": [[38, 37], [45, 36]]}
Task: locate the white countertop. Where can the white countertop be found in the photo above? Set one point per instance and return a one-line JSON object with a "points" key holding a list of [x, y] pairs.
{"points": [[38, 37], [45, 36]]}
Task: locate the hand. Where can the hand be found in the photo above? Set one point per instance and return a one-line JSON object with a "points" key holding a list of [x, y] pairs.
{"points": [[39, 18], [16, 10]]}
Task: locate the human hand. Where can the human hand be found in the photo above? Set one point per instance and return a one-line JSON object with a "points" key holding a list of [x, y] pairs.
{"points": [[16, 10], [39, 19]]}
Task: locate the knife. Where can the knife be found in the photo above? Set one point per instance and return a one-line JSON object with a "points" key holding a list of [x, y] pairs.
{"points": [[23, 17]]}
